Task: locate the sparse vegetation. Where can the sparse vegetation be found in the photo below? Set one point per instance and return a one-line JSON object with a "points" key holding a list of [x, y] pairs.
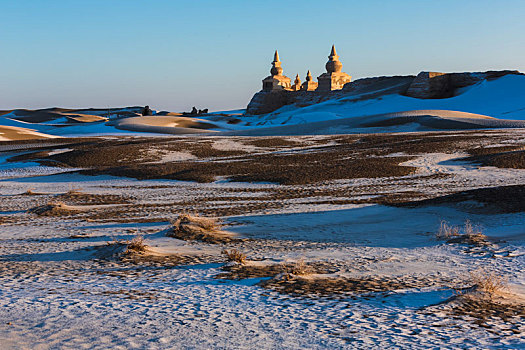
{"points": [[489, 284], [136, 245], [208, 224], [53, 209], [482, 301], [300, 268], [235, 256], [447, 231], [300, 286], [347, 159], [188, 227], [501, 199], [78, 197], [510, 159], [483, 151], [468, 234]]}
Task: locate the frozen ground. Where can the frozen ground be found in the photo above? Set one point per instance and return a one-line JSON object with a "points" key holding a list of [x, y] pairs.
{"points": [[65, 283]]}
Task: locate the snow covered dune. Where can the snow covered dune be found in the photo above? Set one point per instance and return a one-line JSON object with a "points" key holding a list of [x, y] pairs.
{"points": [[407, 121], [496, 103]]}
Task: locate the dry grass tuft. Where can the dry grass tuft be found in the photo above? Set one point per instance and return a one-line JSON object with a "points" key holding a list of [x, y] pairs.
{"points": [[136, 245], [468, 234], [208, 224], [235, 256], [52, 209], [188, 227], [485, 300], [300, 268], [469, 229], [488, 284], [447, 231]]}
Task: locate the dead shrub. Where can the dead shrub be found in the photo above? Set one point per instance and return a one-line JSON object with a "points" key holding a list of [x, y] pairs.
{"points": [[489, 284], [300, 268], [136, 245], [235, 256], [446, 231], [468, 234], [188, 227], [52, 209], [469, 229], [208, 224]]}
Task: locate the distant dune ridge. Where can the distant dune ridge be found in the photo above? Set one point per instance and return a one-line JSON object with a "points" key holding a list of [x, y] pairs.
{"points": [[164, 124], [428, 101], [13, 133]]}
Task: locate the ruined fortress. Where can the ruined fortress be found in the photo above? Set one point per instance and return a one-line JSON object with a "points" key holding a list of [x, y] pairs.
{"points": [[333, 79], [278, 90]]}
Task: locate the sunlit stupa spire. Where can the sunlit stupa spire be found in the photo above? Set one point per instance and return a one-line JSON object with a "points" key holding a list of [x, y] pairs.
{"points": [[276, 80], [334, 78]]}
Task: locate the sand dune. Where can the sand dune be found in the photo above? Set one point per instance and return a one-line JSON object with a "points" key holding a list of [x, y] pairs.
{"points": [[84, 118], [13, 133], [74, 115], [417, 120], [164, 124], [38, 116]]}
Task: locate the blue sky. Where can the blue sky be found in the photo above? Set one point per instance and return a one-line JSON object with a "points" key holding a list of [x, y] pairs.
{"points": [[213, 54]]}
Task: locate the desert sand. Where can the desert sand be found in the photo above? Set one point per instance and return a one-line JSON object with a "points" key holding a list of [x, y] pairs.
{"points": [[12, 133], [165, 124], [367, 220], [334, 254]]}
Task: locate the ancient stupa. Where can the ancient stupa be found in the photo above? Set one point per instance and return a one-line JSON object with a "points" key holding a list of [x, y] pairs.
{"points": [[333, 79], [309, 85], [276, 81], [296, 84]]}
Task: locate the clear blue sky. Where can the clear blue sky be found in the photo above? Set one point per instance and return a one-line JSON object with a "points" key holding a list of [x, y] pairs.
{"points": [[176, 54]]}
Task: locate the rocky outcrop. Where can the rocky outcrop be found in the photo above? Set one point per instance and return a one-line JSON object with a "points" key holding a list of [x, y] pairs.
{"points": [[371, 87], [268, 101], [265, 102], [430, 85], [426, 85]]}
